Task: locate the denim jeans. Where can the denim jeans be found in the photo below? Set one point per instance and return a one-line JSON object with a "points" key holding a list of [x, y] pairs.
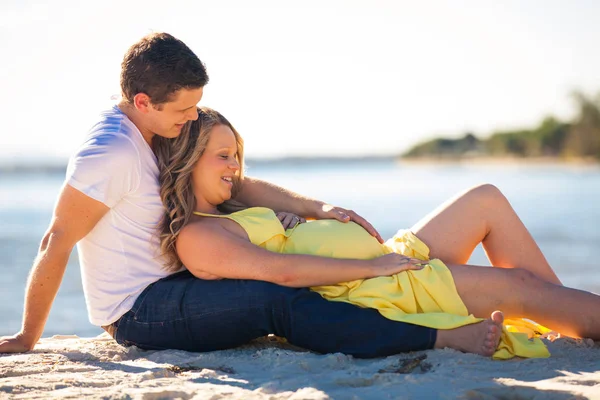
{"points": [[183, 312]]}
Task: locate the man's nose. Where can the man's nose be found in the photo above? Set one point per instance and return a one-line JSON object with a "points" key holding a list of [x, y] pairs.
{"points": [[192, 114]]}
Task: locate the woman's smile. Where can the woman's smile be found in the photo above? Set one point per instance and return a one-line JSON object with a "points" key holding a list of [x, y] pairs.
{"points": [[228, 180]]}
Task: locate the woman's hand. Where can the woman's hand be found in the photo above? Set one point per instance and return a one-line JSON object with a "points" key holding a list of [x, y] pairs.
{"points": [[289, 220], [327, 211], [393, 263]]}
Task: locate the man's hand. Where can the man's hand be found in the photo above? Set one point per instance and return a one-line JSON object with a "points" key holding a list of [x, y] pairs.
{"points": [[13, 344], [289, 220], [327, 211], [256, 192]]}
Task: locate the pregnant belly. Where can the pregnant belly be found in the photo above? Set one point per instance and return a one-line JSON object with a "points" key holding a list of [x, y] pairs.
{"points": [[331, 238]]}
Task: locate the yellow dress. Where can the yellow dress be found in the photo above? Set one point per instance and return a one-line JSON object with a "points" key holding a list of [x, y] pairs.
{"points": [[426, 297]]}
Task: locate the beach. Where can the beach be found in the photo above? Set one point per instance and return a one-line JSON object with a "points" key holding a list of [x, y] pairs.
{"points": [[558, 203], [70, 367]]}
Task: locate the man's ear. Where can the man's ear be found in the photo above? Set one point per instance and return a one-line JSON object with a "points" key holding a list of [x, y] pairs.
{"points": [[142, 102]]}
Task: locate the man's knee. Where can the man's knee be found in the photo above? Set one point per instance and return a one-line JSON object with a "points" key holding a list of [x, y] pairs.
{"points": [[271, 294]]}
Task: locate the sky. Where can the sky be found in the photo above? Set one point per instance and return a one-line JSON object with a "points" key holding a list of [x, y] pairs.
{"points": [[308, 78]]}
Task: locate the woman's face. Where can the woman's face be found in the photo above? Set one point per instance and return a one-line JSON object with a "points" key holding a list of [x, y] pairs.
{"points": [[215, 171]]}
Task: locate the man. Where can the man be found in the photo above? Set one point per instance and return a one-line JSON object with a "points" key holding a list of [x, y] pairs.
{"points": [[110, 207]]}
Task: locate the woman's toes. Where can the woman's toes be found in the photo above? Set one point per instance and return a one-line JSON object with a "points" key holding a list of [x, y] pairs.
{"points": [[488, 351], [498, 317], [494, 330]]}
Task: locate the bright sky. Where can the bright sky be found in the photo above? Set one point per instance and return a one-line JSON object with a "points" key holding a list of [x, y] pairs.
{"points": [[310, 77]]}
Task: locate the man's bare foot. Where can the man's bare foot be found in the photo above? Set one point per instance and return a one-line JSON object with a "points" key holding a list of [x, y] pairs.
{"points": [[481, 338]]}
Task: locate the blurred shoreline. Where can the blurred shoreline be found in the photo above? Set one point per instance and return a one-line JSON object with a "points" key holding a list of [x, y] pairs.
{"points": [[582, 161]]}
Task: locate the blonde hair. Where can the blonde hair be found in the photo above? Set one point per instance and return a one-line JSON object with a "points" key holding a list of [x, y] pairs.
{"points": [[176, 161]]}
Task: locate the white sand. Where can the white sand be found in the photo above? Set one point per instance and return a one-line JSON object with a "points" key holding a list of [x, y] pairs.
{"points": [[72, 367]]}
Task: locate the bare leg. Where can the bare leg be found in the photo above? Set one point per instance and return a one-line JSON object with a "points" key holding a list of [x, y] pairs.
{"points": [[481, 338], [521, 294], [482, 215]]}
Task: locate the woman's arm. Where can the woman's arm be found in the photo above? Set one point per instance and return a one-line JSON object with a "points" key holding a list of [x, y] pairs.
{"points": [[256, 192], [206, 248]]}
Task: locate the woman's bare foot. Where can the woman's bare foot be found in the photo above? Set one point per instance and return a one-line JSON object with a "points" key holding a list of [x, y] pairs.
{"points": [[481, 338]]}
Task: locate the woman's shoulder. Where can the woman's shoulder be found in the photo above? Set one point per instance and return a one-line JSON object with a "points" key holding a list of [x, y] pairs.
{"points": [[196, 232], [200, 227], [197, 226]]}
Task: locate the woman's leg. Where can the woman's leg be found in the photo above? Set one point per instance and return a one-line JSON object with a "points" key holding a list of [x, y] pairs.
{"points": [[521, 294], [482, 215]]}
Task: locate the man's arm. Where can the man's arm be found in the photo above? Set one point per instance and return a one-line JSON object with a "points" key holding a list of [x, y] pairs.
{"points": [[75, 215], [256, 192]]}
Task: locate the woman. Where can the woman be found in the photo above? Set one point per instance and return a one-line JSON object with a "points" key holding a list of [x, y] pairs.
{"points": [[404, 278]]}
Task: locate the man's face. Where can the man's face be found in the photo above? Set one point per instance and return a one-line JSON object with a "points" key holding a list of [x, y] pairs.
{"points": [[167, 119]]}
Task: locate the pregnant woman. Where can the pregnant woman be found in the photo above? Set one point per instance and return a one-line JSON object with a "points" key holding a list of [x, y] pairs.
{"points": [[418, 276]]}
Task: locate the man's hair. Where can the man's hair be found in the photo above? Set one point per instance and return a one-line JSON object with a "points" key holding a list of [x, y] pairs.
{"points": [[159, 65]]}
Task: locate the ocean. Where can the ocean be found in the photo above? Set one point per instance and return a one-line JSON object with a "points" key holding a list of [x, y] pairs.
{"points": [[560, 204]]}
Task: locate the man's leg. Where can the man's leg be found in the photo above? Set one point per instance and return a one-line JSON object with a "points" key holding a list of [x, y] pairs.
{"points": [[183, 312]]}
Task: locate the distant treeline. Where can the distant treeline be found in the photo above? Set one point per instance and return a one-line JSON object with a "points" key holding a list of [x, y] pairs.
{"points": [[577, 139]]}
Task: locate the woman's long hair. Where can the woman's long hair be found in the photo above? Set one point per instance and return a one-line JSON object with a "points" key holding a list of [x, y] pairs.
{"points": [[176, 161]]}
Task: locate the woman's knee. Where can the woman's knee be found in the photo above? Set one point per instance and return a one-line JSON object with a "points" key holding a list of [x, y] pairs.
{"points": [[485, 194]]}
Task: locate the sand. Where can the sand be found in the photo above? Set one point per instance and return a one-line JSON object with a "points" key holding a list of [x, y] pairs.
{"points": [[73, 367]]}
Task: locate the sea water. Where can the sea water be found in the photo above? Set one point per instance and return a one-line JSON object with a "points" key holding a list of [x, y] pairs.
{"points": [[560, 205]]}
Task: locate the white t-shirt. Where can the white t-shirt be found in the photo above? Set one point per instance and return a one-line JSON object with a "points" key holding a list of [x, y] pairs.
{"points": [[119, 257]]}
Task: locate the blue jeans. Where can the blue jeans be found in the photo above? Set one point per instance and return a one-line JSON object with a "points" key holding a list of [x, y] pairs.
{"points": [[183, 312]]}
